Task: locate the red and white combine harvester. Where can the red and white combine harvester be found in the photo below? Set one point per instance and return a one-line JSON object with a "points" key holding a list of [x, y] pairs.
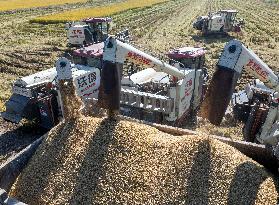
{"points": [[90, 31], [222, 22], [150, 89], [257, 105]]}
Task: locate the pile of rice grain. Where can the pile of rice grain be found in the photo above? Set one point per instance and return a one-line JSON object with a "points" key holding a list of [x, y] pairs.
{"points": [[100, 161], [71, 103]]}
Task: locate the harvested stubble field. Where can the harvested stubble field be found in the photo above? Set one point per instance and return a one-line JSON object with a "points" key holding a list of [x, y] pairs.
{"points": [[29, 47]]}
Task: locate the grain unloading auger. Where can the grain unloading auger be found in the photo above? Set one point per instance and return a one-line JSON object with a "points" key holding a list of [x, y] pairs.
{"points": [[115, 54], [233, 60]]}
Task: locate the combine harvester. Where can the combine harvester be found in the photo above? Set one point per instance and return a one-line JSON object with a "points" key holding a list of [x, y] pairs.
{"points": [[257, 106], [161, 93], [111, 89], [88, 31], [221, 22], [91, 30]]}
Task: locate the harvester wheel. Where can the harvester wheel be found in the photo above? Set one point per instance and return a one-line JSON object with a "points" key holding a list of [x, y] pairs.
{"points": [[252, 124], [204, 28]]}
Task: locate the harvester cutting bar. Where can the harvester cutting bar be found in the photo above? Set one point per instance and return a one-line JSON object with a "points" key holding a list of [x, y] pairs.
{"points": [[15, 108], [147, 101]]}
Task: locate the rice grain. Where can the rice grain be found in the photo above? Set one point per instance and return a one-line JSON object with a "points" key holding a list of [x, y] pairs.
{"points": [[99, 161]]}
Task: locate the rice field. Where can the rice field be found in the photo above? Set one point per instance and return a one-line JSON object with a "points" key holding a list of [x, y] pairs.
{"points": [[106, 10], [7, 5]]}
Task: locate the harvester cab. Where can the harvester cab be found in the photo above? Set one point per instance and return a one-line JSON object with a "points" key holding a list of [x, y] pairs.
{"points": [[88, 31], [187, 57], [222, 22], [89, 56], [191, 58]]}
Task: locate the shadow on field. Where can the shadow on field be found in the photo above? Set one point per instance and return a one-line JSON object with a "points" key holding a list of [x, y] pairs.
{"points": [[250, 176], [94, 160], [212, 38], [244, 187], [14, 140], [197, 191]]}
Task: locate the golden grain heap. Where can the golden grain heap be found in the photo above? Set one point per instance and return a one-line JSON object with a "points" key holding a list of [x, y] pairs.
{"points": [[100, 161], [72, 104]]}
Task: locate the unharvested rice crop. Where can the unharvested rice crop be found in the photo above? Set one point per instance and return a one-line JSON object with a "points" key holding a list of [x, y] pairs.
{"points": [[6, 5], [100, 161], [101, 11]]}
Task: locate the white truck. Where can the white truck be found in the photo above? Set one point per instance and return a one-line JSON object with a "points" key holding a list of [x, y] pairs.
{"points": [[159, 93]]}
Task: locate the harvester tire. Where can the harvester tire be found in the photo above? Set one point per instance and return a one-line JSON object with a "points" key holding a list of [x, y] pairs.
{"points": [[251, 128]]}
